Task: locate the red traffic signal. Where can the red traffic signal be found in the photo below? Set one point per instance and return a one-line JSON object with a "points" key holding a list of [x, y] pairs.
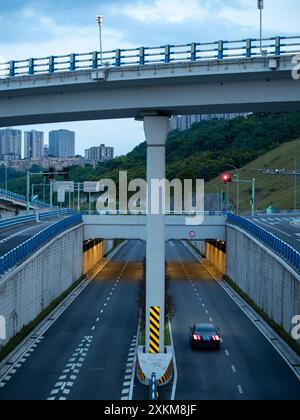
{"points": [[226, 178]]}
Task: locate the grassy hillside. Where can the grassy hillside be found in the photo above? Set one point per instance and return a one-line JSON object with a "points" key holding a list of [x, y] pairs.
{"points": [[276, 190]]}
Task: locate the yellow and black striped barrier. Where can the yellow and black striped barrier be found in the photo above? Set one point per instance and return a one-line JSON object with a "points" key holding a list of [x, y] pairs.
{"points": [[167, 376], [154, 329]]}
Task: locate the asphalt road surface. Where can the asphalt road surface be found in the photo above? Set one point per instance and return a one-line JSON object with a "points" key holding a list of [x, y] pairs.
{"points": [[86, 353], [14, 236], [246, 367], [284, 226]]}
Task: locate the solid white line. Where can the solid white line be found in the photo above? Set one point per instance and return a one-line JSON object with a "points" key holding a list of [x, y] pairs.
{"points": [[174, 365]]}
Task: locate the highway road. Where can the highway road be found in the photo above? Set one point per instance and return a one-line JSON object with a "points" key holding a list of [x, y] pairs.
{"points": [[14, 236], [246, 367], [88, 352], [284, 226]]}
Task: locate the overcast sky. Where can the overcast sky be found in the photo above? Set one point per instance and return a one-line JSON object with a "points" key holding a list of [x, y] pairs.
{"points": [[35, 28]]}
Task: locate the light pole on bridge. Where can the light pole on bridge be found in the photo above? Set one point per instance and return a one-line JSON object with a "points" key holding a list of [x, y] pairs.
{"points": [[100, 23], [260, 6]]}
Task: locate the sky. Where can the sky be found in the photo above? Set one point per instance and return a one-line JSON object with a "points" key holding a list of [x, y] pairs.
{"points": [[31, 28]]}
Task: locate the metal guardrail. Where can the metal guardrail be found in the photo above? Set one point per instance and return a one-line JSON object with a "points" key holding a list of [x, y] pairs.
{"points": [[143, 213], [56, 213], [19, 254], [22, 198], [193, 52], [15, 221], [280, 247]]}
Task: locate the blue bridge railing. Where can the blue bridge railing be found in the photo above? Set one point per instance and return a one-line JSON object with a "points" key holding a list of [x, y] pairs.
{"points": [[19, 254], [21, 198], [280, 247], [196, 51]]}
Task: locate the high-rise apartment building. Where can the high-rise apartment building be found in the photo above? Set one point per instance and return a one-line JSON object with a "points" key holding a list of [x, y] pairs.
{"points": [[62, 143], [99, 153], [10, 144], [184, 122], [33, 144]]}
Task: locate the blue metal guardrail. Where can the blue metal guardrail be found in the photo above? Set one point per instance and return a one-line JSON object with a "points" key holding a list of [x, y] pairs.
{"points": [[18, 220], [196, 51], [271, 241], [22, 198], [19, 254]]}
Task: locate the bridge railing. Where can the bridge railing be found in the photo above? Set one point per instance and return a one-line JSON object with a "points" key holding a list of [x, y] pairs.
{"points": [[19, 254], [290, 254], [193, 52], [18, 220], [143, 213], [15, 221], [21, 198]]}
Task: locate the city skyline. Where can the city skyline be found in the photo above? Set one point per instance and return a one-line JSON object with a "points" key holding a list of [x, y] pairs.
{"points": [[128, 25]]}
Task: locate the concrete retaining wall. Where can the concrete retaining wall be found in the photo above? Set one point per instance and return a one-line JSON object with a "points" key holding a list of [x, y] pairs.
{"points": [[270, 282], [30, 288]]}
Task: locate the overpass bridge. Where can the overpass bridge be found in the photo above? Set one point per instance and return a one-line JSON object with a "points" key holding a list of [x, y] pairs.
{"points": [[135, 227], [225, 76], [8, 199]]}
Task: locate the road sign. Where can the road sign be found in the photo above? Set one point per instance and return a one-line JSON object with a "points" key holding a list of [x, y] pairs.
{"points": [[192, 234], [66, 186], [61, 196], [91, 186]]}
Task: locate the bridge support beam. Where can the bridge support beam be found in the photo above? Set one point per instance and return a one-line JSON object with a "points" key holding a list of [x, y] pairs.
{"points": [[156, 130]]}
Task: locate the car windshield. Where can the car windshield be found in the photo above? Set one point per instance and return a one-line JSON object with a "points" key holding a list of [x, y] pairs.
{"points": [[205, 329]]}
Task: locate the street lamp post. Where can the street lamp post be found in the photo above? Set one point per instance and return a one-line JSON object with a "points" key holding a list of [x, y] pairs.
{"points": [[253, 196], [6, 178], [28, 193], [260, 6], [100, 23]]}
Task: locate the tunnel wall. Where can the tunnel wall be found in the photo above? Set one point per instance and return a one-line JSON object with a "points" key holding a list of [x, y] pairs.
{"points": [[31, 287], [95, 254], [267, 279], [213, 254]]}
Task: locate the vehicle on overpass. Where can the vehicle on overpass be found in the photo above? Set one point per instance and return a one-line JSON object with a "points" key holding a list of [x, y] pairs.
{"points": [[204, 336]]}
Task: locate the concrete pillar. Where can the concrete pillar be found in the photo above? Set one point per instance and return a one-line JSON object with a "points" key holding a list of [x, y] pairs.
{"points": [[156, 130]]}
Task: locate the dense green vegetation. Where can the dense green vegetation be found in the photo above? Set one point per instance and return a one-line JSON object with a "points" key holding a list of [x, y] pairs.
{"points": [[204, 151]]}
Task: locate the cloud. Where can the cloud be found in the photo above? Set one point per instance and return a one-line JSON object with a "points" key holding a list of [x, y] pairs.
{"points": [[47, 37], [173, 11]]}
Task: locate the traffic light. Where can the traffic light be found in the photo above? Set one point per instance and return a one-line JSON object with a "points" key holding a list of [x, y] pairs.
{"points": [[49, 175], [226, 178]]}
